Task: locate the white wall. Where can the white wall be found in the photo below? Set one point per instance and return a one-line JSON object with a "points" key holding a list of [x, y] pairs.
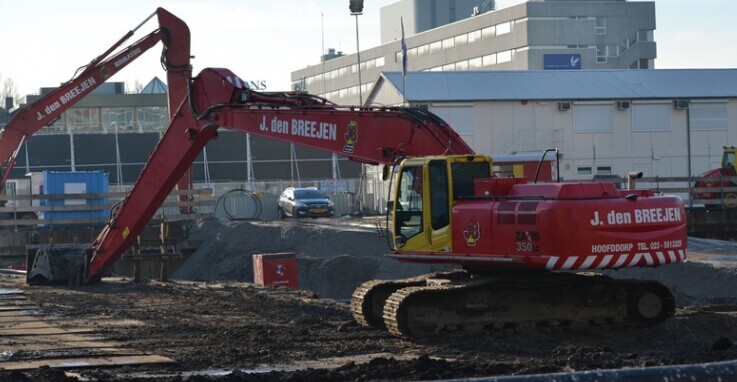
{"points": [[650, 136]]}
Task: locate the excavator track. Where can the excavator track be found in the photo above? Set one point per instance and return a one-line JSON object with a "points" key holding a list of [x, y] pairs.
{"points": [[367, 302], [479, 304]]}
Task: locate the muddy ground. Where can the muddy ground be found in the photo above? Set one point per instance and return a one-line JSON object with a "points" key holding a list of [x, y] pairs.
{"points": [[285, 335]]}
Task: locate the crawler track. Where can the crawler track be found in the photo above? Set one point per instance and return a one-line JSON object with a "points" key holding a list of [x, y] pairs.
{"points": [[367, 302], [473, 304]]}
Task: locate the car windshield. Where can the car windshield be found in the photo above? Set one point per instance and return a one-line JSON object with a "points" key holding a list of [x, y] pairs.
{"points": [[308, 194]]}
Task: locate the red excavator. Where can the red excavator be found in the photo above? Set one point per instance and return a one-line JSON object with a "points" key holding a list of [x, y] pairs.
{"points": [[512, 240], [175, 56], [719, 189]]}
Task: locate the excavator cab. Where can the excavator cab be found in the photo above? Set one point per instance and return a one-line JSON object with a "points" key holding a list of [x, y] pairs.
{"points": [[425, 191], [728, 158]]}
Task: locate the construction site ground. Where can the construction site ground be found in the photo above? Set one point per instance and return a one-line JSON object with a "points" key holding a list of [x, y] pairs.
{"points": [[212, 323]]}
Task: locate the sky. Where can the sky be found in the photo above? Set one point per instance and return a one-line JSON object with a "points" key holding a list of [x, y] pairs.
{"points": [[44, 42]]}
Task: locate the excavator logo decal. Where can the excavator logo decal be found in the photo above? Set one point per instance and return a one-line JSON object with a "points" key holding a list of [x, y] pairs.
{"points": [[351, 136], [471, 234], [104, 73]]}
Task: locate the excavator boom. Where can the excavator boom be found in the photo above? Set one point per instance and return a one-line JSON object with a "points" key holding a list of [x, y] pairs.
{"points": [[219, 99]]}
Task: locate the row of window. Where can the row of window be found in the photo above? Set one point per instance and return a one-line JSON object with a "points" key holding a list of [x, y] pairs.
{"points": [[614, 50], [598, 118], [110, 119], [340, 72], [461, 39], [589, 170], [433, 47], [602, 52], [477, 62], [348, 92]]}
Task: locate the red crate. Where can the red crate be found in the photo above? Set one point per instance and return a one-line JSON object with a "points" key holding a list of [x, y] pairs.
{"points": [[278, 269]]}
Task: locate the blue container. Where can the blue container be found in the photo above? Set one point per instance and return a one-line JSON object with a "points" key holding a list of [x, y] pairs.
{"points": [[76, 182]]}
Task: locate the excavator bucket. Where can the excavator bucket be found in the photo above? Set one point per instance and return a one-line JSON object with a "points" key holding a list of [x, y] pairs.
{"points": [[56, 265]]}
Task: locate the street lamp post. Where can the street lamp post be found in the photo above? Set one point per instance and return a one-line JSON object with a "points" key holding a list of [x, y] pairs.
{"points": [[356, 7]]}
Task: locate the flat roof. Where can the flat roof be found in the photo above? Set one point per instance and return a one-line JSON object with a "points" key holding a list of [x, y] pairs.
{"points": [[607, 84]]}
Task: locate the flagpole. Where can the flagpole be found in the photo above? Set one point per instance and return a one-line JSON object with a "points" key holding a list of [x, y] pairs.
{"points": [[404, 63]]}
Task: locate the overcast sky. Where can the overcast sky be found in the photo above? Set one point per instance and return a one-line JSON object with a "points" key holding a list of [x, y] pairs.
{"points": [[44, 42]]}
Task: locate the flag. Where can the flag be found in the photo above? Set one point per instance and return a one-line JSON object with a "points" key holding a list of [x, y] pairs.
{"points": [[404, 50]]}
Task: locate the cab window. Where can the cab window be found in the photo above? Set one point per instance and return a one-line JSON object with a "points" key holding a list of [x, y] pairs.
{"points": [[408, 205], [439, 204]]}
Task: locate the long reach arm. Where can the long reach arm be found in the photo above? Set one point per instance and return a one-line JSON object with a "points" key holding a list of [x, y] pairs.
{"points": [[172, 32], [219, 99]]}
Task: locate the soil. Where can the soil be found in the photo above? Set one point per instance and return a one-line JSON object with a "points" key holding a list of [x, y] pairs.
{"points": [[225, 328]]}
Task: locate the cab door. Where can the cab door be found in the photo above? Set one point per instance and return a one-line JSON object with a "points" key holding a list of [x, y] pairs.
{"points": [[422, 207], [437, 229]]}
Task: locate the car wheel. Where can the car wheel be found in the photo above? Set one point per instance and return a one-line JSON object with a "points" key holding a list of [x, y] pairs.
{"points": [[282, 215]]}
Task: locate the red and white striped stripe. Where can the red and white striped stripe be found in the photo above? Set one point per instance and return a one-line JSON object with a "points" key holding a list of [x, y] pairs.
{"points": [[613, 261]]}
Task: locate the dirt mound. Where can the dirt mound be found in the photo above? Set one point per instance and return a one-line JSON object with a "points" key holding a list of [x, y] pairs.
{"points": [[333, 257], [692, 283]]}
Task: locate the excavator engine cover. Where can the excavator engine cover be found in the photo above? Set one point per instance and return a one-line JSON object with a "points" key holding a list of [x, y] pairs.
{"points": [[56, 265]]}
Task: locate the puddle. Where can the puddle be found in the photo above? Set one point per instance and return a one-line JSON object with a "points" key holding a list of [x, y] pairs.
{"points": [[10, 291], [712, 257]]}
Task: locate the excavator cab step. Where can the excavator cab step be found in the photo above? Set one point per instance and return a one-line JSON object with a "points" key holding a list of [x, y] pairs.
{"points": [[56, 265]]}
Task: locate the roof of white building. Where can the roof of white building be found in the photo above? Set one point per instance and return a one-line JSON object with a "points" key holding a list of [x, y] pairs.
{"points": [[565, 84]]}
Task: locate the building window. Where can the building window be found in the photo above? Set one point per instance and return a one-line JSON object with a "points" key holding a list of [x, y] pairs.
{"points": [[600, 25], [449, 67], [435, 46], [342, 71], [583, 171], [603, 170], [644, 35], [117, 118], [462, 39], [488, 32], [708, 115], [504, 56], [152, 118], [651, 116], [422, 50], [601, 54], [503, 28], [380, 62], [489, 60], [593, 118], [474, 36], [460, 117], [475, 63], [462, 65], [83, 119], [448, 43]]}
